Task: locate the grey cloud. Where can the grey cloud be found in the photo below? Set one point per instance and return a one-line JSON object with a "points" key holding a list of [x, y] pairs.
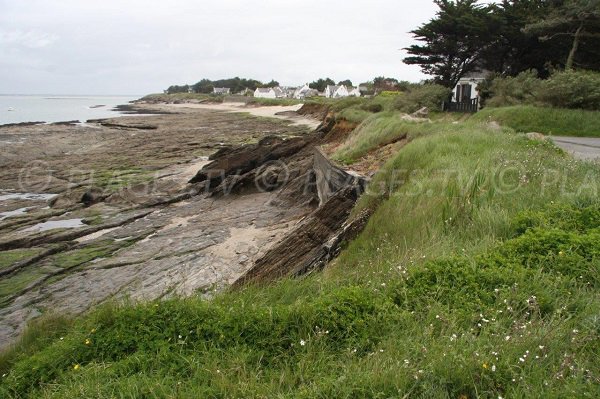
{"points": [[137, 47]]}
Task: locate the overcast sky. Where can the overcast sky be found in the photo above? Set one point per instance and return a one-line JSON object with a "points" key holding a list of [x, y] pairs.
{"points": [[143, 46]]}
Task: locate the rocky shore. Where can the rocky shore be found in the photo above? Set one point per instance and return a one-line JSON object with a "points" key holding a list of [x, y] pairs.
{"points": [[185, 200]]}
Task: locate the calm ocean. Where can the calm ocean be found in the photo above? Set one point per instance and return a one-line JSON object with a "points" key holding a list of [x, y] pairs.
{"points": [[50, 108]]}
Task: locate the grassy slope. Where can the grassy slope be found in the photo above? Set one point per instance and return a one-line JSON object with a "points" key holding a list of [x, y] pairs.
{"points": [[555, 121], [447, 293], [384, 128]]}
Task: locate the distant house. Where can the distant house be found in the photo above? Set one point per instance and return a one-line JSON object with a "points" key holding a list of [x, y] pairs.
{"points": [[338, 91], [465, 95], [301, 91], [265, 92], [190, 89], [279, 92], [353, 91], [270, 92], [221, 90]]}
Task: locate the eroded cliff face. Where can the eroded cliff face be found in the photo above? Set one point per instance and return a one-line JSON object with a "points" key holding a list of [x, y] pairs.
{"points": [[248, 212]]}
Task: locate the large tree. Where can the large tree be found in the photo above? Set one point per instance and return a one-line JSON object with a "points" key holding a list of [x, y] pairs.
{"points": [[454, 41], [321, 84], [578, 20], [513, 50]]}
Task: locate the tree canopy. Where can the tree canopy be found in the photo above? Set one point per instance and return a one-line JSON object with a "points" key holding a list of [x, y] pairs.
{"points": [[507, 37], [453, 41], [321, 84], [576, 19]]}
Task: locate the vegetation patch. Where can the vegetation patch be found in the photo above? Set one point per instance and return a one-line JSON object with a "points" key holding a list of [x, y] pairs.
{"points": [[9, 258], [555, 121]]}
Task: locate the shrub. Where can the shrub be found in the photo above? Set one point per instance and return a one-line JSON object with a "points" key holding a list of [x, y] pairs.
{"points": [[520, 89], [430, 95], [373, 107], [571, 89]]}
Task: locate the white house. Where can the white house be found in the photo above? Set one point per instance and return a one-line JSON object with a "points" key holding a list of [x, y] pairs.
{"points": [[466, 89], [279, 92], [301, 91], [353, 91], [221, 90], [270, 92], [341, 91], [265, 92]]}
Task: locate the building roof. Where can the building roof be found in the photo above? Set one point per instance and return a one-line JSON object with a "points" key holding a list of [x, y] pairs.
{"points": [[264, 89]]}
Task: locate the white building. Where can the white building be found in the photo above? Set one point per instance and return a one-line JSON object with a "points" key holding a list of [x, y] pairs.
{"points": [[341, 91], [302, 91], [221, 90], [466, 89], [265, 92], [269, 92], [353, 91]]}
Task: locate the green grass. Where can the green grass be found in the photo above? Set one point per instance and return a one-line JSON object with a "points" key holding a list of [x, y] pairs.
{"points": [[387, 127], [477, 276], [554, 121], [8, 258]]}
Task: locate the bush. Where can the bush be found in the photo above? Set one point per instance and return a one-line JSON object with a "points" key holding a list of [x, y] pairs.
{"points": [[430, 95], [571, 89], [520, 89], [374, 107], [568, 89]]}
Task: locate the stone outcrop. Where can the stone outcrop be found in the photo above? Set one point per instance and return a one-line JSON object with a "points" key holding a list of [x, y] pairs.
{"points": [[316, 240], [241, 160]]}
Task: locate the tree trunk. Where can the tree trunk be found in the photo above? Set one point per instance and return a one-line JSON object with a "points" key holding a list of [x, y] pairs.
{"points": [[571, 59]]}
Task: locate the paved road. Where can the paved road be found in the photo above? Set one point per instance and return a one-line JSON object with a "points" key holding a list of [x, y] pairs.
{"points": [[587, 148]]}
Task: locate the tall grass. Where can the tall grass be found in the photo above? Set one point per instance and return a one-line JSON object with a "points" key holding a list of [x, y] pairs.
{"points": [[477, 276], [555, 121], [387, 127]]}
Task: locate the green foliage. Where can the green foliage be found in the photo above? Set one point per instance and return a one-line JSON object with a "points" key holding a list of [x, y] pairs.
{"points": [[321, 84], [571, 89], [521, 89], [576, 20], [358, 109], [453, 41], [507, 38], [236, 85], [428, 95], [556, 121]]}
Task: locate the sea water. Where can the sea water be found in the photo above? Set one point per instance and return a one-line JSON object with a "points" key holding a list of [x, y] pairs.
{"points": [[54, 108]]}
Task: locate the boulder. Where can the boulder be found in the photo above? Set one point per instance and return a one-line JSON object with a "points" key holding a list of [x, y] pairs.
{"points": [[536, 136], [241, 160], [421, 113]]}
